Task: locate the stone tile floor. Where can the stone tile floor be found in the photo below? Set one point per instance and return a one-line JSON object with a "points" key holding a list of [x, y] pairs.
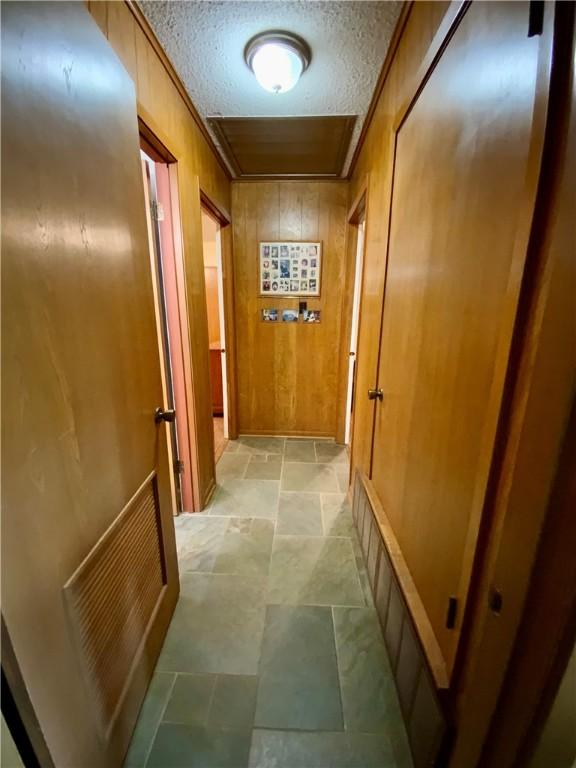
{"points": [[274, 657]]}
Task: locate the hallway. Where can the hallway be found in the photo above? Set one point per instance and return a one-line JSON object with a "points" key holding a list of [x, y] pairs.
{"points": [[289, 375], [274, 656]]}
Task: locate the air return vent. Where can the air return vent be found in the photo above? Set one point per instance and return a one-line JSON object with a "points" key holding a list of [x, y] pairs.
{"points": [[112, 597]]}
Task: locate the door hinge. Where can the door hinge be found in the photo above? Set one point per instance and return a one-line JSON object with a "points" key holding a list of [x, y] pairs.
{"points": [[451, 612], [157, 211], [178, 466]]}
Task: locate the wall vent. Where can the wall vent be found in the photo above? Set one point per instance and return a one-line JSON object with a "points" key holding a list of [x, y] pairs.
{"points": [[111, 599]]}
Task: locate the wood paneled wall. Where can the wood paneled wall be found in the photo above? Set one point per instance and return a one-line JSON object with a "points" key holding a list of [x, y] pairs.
{"points": [[288, 372], [162, 108], [375, 166]]}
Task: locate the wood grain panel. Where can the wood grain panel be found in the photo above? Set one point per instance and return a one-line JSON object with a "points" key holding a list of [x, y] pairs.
{"points": [[285, 146], [529, 541], [112, 597], [162, 106], [288, 373], [452, 285], [80, 362], [375, 162]]}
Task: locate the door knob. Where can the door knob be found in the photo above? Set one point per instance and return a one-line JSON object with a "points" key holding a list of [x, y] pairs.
{"points": [[375, 394], [164, 415]]}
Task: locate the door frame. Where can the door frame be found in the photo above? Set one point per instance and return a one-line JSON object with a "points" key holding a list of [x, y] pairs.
{"points": [[160, 153], [226, 293], [357, 213], [162, 327]]}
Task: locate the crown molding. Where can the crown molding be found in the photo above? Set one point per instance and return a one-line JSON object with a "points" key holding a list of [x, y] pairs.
{"points": [[392, 48], [144, 25]]}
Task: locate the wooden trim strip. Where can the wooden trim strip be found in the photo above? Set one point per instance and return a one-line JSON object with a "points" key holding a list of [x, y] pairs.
{"points": [[94, 553], [288, 177], [391, 53], [144, 25], [274, 179], [446, 30], [153, 146], [359, 204], [216, 126], [409, 592], [218, 211]]}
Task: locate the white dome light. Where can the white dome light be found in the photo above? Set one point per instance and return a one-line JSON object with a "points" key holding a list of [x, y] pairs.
{"points": [[277, 60]]}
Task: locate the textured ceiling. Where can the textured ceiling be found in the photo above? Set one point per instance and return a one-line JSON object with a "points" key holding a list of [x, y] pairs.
{"points": [[205, 41]]}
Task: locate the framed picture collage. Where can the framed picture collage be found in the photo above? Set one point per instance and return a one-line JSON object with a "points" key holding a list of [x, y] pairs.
{"points": [[290, 269]]}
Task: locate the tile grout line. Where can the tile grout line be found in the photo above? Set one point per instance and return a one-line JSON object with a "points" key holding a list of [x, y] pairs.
{"points": [[322, 516], [357, 570], [212, 694], [338, 670], [153, 739]]}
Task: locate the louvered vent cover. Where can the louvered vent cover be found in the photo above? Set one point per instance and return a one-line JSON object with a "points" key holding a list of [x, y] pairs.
{"points": [[111, 599]]}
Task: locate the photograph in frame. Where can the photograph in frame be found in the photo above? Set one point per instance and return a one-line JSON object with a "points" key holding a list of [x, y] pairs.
{"points": [[289, 268], [270, 315]]}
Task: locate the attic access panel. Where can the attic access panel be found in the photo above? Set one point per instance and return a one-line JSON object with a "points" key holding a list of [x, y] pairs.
{"points": [[285, 146]]}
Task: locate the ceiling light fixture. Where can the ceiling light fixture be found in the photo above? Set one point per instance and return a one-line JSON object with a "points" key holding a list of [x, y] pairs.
{"points": [[277, 59]]}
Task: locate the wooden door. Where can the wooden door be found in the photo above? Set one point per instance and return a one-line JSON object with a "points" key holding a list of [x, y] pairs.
{"points": [[89, 573], [467, 146]]}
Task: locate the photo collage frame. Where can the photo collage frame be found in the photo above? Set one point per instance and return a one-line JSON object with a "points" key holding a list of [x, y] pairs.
{"points": [[290, 268]]}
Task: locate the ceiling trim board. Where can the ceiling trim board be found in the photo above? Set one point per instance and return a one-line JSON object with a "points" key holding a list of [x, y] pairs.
{"points": [[144, 25], [391, 53], [287, 143], [295, 179], [224, 145]]}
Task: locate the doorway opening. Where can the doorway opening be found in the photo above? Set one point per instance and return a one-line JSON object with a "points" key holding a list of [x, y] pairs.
{"points": [[214, 284], [166, 253], [355, 323]]}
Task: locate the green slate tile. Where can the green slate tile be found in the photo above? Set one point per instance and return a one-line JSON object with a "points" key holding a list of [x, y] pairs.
{"points": [[337, 515], [150, 715], [293, 749], [190, 699], [234, 701], [368, 693], [239, 525], [300, 476], [246, 552], [248, 444], [298, 686], [343, 477], [331, 453], [217, 625], [246, 498], [196, 746], [198, 540], [299, 450], [263, 470], [299, 514], [307, 570], [231, 465]]}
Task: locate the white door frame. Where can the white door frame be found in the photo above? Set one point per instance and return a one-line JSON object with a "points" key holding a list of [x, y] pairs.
{"points": [[354, 328], [220, 280]]}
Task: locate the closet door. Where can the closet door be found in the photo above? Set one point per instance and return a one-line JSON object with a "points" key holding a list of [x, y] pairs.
{"points": [[468, 149]]}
